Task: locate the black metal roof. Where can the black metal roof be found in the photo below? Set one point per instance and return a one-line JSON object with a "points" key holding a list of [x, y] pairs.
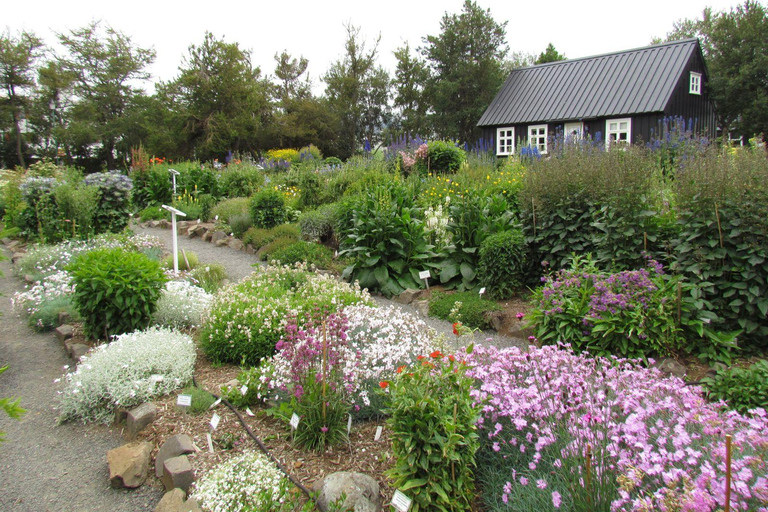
{"points": [[622, 83]]}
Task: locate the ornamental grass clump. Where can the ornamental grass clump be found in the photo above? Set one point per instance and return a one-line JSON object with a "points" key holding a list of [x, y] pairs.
{"points": [[181, 305], [571, 432], [247, 482], [434, 438], [247, 319], [125, 373]]}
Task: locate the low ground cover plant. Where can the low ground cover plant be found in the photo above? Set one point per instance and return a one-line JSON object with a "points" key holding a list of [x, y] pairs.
{"points": [[571, 432], [742, 389], [469, 308], [247, 319], [181, 305], [210, 277], [310, 253], [45, 299], [125, 373]]}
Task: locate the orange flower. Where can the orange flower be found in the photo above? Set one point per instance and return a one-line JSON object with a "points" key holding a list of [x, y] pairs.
{"points": [[383, 384], [420, 358], [436, 354], [400, 370], [451, 358], [456, 328]]}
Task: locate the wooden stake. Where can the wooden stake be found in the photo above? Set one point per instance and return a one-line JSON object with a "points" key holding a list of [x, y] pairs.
{"points": [[719, 227], [588, 479], [679, 301], [533, 209], [186, 261], [645, 241], [728, 473]]}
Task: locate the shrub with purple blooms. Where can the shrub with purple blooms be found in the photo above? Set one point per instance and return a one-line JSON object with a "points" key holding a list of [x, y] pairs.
{"points": [[569, 432]]}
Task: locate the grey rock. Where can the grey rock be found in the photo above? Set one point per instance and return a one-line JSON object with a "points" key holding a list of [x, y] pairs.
{"points": [[190, 506], [422, 306], [180, 444], [64, 317], [163, 223], [17, 256], [120, 414], [128, 464], [519, 330], [409, 295], [221, 243], [231, 384], [496, 319], [29, 279], [139, 417], [250, 249], [172, 501], [64, 332], [206, 237], [196, 230], [218, 235], [154, 224], [15, 244], [671, 367], [361, 490], [78, 350], [6, 240], [236, 244], [178, 472]]}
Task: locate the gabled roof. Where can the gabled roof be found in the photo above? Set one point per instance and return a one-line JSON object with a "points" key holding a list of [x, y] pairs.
{"points": [[614, 84]]}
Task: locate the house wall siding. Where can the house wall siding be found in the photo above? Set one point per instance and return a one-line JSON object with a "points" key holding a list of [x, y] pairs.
{"points": [[694, 107]]}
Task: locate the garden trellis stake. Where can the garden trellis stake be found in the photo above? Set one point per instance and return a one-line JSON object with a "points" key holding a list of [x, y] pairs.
{"points": [[728, 473], [174, 173], [174, 213]]}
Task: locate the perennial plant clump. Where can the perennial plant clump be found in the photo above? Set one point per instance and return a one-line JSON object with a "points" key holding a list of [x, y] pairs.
{"points": [[653, 443], [52, 292], [181, 304], [125, 373]]}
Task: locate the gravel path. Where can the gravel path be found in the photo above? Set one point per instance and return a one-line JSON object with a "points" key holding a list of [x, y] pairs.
{"points": [[45, 467], [240, 264]]}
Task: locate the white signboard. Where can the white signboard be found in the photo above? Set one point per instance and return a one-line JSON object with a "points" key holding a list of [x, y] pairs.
{"points": [[424, 274], [378, 433], [210, 442], [214, 404], [243, 390], [215, 421], [349, 424], [482, 290], [295, 421], [401, 502], [184, 400]]}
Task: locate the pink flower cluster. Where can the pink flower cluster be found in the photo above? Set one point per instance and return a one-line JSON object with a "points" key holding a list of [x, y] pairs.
{"points": [[657, 440]]}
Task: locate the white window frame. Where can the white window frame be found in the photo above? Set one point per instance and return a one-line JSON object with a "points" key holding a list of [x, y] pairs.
{"points": [[695, 83], [570, 128], [613, 135], [538, 138], [505, 141]]}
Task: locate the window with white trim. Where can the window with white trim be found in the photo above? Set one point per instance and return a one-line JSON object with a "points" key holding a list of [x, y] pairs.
{"points": [[505, 141], [695, 87], [537, 138], [573, 131], [618, 131]]}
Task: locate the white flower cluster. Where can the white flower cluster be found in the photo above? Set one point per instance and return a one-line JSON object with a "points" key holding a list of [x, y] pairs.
{"points": [[181, 304], [436, 221], [125, 373], [59, 284], [247, 482]]}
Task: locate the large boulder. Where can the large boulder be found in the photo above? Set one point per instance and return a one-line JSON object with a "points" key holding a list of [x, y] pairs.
{"points": [[362, 491], [128, 464]]}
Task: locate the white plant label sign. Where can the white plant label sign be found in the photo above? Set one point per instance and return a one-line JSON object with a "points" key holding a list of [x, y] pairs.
{"points": [[249, 412], [184, 400], [214, 404], [424, 274], [482, 290], [210, 442], [215, 421], [401, 502], [295, 421], [349, 424], [379, 430], [243, 390]]}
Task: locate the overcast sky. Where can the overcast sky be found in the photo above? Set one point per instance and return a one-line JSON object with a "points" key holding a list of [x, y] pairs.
{"points": [[315, 29]]}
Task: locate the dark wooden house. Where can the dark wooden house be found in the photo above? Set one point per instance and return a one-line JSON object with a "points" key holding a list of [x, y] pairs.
{"points": [[617, 97]]}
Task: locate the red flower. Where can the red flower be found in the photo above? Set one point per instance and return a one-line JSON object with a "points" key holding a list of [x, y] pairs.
{"points": [[383, 384], [420, 358], [451, 358], [456, 328], [400, 370], [436, 354]]}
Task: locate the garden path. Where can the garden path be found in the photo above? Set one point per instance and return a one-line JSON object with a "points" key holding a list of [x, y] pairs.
{"points": [[239, 264], [45, 467]]}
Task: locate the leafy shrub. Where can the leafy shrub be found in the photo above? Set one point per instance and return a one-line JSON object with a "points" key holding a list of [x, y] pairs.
{"points": [[240, 224], [225, 210], [258, 237], [246, 320], [310, 187], [189, 204], [307, 252], [385, 241], [181, 305], [112, 215], [310, 153], [472, 308], [153, 213], [444, 156], [434, 438], [125, 373], [286, 155], [206, 202], [201, 399], [502, 264], [743, 389], [267, 209], [78, 205], [152, 186], [191, 261], [318, 225], [280, 242], [115, 291], [209, 277], [247, 482], [38, 218], [240, 180], [333, 161]]}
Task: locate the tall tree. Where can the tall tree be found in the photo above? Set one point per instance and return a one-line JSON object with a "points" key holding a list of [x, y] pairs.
{"points": [[358, 93], [411, 76], [50, 109], [466, 62], [221, 98], [735, 46], [288, 72], [105, 64], [17, 77], [549, 55]]}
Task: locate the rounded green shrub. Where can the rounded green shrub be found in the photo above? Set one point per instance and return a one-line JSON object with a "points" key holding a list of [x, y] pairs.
{"points": [[153, 213], [265, 253], [191, 258], [267, 209], [240, 224], [225, 210], [301, 251], [240, 180], [257, 237], [116, 291], [318, 225], [444, 156], [471, 311], [743, 389], [503, 263], [209, 277]]}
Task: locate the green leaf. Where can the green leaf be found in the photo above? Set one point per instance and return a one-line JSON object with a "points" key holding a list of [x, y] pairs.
{"points": [[416, 482]]}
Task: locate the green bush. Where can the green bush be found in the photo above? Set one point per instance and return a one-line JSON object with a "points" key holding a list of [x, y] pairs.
{"points": [[154, 213], [256, 381], [333, 161], [206, 203], [444, 156], [502, 263], [209, 277], [280, 242], [258, 237], [246, 320], [301, 251], [240, 180], [78, 204], [318, 225], [192, 258], [434, 438], [472, 308], [310, 189], [113, 213], [240, 224], [201, 399], [742, 389], [115, 291], [267, 209], [225, 210]]}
